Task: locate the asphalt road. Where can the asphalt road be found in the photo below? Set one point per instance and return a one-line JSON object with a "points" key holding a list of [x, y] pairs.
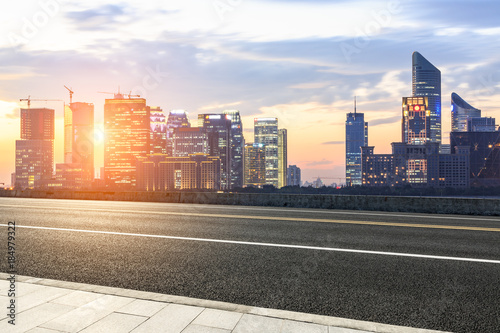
{"points": [[430, 271]]}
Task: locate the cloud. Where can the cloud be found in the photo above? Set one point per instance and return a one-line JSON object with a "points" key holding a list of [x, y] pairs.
{"points": [[383, 121], [316, 163], [333, 143], [96, 18]]}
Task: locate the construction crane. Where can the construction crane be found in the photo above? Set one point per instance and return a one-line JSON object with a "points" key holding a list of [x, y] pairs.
{"points": [[119, 94], [71, 92], [29, 99]]}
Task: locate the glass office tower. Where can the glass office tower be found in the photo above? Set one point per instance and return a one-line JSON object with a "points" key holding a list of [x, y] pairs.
{"points": [[356, 136], [426, 82], [461, 112]]}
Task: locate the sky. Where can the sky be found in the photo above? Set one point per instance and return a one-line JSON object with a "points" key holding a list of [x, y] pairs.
{"points": [[300, 61]]}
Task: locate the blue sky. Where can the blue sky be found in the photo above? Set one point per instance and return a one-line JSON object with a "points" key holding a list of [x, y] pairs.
{"points": [[301, 61]]}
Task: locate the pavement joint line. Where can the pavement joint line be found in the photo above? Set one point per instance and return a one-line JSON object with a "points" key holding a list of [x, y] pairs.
{"points": [[218, 305], [385, 224], [291, 246]]}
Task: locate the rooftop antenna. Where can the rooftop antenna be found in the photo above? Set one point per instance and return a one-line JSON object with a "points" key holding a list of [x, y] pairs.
{"points": [[354, 105]]}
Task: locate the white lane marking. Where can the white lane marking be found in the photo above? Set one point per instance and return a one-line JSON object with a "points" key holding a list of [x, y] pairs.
{"points": [[291, 210], [290, 246]]}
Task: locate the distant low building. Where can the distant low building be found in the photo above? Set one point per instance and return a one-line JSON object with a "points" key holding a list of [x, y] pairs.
{"points": [[193, 172], [294, 178], [416, 165]]}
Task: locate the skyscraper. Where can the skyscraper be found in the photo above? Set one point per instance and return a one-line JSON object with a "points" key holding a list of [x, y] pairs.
{"points": [[158, 131], [35, 150], [237, 146], [356, 136], [282, 157], [176, 119], [218, 128], [461, 112], [416, 121], [127, 130], [426, 82], [255, 165], [79, 139], [266, 133], [294, 178]]}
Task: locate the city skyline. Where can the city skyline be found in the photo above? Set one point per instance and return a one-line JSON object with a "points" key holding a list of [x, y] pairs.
{"points": [[207, 61]]}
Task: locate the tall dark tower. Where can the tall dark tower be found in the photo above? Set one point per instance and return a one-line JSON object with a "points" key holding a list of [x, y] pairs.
{"points": [[356, 136], [426, 82]]}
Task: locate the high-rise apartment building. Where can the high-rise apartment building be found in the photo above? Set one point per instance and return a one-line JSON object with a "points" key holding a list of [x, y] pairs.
{"points": [[282, 157], [266, 133], [294, 178], [34, 160], [35, 150], [237, 142], [416, 129], [127, 136], [176, 119], [158, 131], [356, 136], [79, 141], [426, 82], [218, 128], [461, 112], [255, 165]]}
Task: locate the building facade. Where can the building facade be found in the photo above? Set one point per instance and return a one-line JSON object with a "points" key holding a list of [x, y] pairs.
{"points": [[282, 157], [416, 165], [416, 128], [192, 172], [157, 131], [34, 163], [294, 178], [176, 119], [266, 134], [218, 129], [255, 165], [356, 136], [376, 169], [426, 82], [461, 113], [127, 136], [35, 150], [189, 140], [237, 143], [484, 155], [79, 141]]}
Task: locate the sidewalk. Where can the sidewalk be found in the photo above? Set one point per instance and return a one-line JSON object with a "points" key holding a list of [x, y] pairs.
{"points": [[50, 306]]}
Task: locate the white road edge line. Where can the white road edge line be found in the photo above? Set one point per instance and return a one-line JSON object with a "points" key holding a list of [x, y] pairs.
{"points": [[290, 246], [291, 210]]}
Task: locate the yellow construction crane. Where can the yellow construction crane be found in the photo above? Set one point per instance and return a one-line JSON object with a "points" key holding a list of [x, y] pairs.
{"points": [[29, 99], [71, 92]]}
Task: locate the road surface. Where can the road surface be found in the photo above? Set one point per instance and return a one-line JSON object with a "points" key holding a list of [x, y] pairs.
{"points": [[430, 271]]}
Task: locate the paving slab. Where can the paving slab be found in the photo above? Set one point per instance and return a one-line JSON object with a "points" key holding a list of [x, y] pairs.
{"points": [[51, 306]]}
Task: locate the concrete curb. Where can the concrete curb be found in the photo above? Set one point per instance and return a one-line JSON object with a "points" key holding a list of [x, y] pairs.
{"points": [[273, 313]]}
